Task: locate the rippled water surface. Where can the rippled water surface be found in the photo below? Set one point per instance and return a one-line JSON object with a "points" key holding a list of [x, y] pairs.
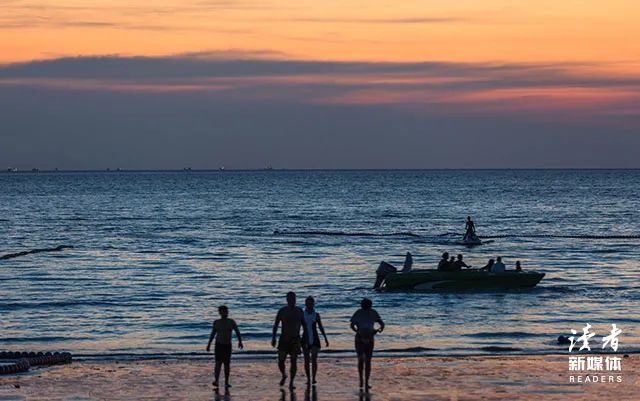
{"points": [[155, 253]]}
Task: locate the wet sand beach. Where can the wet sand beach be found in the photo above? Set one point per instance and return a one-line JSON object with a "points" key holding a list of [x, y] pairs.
{"points": [[407, 379]]}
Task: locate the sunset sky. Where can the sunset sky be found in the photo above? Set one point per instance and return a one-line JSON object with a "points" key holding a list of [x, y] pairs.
{"points": [[248, 83]]}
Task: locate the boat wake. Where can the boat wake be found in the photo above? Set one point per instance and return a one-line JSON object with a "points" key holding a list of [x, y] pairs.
{"points": [[579, 236], [443, 238], [347, 234]]}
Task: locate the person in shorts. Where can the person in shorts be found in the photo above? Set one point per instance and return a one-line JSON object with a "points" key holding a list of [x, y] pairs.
{"points": [[363, 324], [222, 330], [292, 319]]}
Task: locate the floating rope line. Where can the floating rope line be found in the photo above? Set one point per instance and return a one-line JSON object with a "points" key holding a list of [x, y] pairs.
{"points": [[39, 250]]}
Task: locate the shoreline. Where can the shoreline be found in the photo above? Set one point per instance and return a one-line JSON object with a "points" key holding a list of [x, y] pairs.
{"points": [[294, 169], [399, 379], [330, 354]]}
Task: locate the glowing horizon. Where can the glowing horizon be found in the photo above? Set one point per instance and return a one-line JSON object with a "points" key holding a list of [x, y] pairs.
{"points": [[467, 31]]}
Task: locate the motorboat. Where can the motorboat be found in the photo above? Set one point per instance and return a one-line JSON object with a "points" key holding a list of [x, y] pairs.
{"points": [[389, 278], [469, 279]]}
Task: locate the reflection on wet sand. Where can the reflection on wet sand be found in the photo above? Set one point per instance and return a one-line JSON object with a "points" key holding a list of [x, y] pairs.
{"points": [[283, 395], [224, 397], [311, 394], [364, 396]]}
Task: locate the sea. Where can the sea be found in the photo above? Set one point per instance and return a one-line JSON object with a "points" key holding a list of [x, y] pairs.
{"points": [[152, 254]]}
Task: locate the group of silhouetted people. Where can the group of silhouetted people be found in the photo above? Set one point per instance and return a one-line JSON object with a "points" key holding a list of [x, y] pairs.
{"points": [[496, 266], [451, 264], [292, 320]]}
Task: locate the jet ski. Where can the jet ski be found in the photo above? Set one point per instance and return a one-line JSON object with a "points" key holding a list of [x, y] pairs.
{"points": [[471, 240]]}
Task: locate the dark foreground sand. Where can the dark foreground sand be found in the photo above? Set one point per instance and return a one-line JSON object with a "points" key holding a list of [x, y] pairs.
{"points": [[418, 378]]}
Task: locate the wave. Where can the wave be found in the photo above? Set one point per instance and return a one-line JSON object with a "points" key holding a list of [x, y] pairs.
{"points": [[576, 236], [337, 353], [451, 234], [195, 325], [347, 234], [506, 334], [38, 250], [65, 304], [42, 339], [495, 348]]}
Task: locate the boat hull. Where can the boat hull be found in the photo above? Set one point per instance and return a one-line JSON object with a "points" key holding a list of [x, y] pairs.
{"points": [[435, 280]]}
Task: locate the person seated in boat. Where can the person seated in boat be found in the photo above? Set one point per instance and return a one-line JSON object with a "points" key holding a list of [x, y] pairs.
{"points": [[470, 228], [488, 266], [408, 263], [443, 265], [459, 264], [498, 267], [518, 266], [452, 262]]}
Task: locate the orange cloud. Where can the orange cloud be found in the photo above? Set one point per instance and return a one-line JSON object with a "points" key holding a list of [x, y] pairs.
{"points": [[399, 30]]}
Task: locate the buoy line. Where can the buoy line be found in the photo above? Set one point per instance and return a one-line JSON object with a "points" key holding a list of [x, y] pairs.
{"points": [[16, 362]]}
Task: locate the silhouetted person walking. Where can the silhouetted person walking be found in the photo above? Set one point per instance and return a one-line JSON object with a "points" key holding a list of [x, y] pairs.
{"points": [[292, 319], [363, 324], [221, 330], [311, 340]]}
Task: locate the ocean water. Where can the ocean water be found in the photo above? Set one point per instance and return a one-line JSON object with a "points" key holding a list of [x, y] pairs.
{"points": [[155, 253]]}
